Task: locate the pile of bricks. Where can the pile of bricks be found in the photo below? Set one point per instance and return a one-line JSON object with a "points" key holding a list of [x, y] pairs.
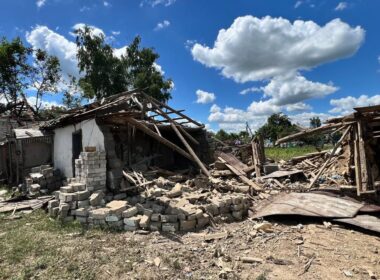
{"points": [[83, 192], [90, 168], [42, 180], [163, 206]]}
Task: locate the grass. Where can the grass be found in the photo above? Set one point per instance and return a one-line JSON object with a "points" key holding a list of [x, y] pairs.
{"points": [[7, 193], [37, 247], [278, 153]]}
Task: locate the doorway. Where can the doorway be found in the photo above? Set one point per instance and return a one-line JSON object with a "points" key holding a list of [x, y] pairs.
{"points": [[77, 147]]}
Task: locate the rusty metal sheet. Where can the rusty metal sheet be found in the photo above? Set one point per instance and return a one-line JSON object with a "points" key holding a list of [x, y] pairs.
{"points": [[363, 221], [309, 204], [282, 173]]}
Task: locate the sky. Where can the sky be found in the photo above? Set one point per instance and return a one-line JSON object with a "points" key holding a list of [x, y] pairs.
{"points": [[232, 61]]}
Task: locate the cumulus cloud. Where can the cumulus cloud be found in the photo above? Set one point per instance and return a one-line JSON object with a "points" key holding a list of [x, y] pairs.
{"points": [[95, 30], [41, 37], [40, 3], [204, 97], [254, 48], [106, 4], [115, 33], [298, 107], [44, 103], [250, 90], [293, 88], [162, 25], [154, 3], [345, 105], [341, 6]]}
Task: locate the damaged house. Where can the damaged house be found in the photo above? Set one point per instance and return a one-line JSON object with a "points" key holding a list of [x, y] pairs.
{"points": [[136, 131]]}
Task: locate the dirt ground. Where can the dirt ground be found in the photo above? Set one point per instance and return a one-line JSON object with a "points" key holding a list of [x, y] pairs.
{"points": [[35, 247]]}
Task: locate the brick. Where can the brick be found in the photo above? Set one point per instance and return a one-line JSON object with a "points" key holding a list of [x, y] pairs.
{"points": [[130, 212], [100, 213], [155, 217], [130, 228], [169, 218], [83, 203], [82, 212], [53, 203], [144, 221], [132, 221], [78, 187], [83, 195], [66, 189], [96, 198], [155, 226], [176, 191], [187, 225], [113, 218], [170, 227]]}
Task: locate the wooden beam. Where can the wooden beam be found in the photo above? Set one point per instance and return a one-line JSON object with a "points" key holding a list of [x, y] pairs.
{"points": [[154, 101], [174, 119], [309, 131], [190, 150], [330, 157], [241, 175], [159, 138], [156, 115]]}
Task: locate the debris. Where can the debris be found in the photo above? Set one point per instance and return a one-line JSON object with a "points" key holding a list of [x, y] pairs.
{"points": [[251, 260], [157, 261], [307, 266], [264, 227], [214, 236], [347, 273]]}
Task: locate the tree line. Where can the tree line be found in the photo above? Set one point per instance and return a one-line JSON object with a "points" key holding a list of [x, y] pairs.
{"points": [[102, 73]]}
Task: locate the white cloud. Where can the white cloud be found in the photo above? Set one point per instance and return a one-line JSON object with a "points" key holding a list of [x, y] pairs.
{"points": [[159, 68], [95, 30], [341, 6], [204, 97], [40, 3], [84, 9], [293, 88], [115, 33], [254, 48], [297, 4], [162, 25], [190, 43], [44, 104], [106, 4], [249, 90], [154, 3], [298, 107], [41, 37], [344, 106]]}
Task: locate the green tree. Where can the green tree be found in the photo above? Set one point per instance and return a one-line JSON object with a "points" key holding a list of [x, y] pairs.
{"points": [[315, 122], [222, 135], [22, 67], [105, 74], [44, 76], [277, 126], [14, 69]]}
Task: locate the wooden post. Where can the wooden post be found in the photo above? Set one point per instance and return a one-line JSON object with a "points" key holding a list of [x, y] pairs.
{"points": [[358, 177], [365, 170], [190, 150], [258, 154], [330, 157]]}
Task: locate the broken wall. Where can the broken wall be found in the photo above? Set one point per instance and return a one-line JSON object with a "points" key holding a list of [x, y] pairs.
{"points": [[63, 143]]}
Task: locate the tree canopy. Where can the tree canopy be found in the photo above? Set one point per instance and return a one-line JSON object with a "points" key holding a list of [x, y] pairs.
{"points": [[277, 126], [104, 73]]}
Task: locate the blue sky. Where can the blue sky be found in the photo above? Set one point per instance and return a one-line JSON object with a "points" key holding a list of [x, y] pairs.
{"points": [[304, 58]]}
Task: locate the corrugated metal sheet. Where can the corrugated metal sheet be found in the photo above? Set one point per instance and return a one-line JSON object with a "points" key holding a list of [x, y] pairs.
{"points": [[28, 133], [309, 204], [363, 221]]}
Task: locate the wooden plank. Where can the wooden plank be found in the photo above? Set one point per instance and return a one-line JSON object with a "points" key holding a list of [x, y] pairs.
{"points": [[233, 161], [190, 150], [159, 138], [239, 173], [309, 131], [365, 170], [330, 157]]}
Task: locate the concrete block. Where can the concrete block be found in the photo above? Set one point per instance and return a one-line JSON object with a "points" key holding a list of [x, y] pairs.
{"points": [[132, 221], [100, 213], [83, 203], [270, 168], [130, 212], [83, 195], [155, 217], [155, 226], [187, 225], [96, 198], [113, 218], [144, 221], [169, 218], [170, 227]]}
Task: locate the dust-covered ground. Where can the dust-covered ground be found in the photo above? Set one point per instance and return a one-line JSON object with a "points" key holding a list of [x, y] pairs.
{"points": [[36, 247]]}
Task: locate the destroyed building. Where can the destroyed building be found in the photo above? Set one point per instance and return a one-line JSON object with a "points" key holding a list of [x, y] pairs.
{"points": [[136, 132]]}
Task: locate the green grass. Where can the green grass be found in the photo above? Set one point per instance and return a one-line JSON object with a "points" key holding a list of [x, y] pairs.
{"points": [[277, 153], [38, 247]]}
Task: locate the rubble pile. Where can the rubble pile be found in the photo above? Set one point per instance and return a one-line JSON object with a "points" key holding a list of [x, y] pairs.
{"points": [[160, 205], [42, 180], [90, 170]]}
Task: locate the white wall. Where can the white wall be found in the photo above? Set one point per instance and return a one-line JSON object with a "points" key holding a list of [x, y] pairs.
{"points": [[91, 136]]}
